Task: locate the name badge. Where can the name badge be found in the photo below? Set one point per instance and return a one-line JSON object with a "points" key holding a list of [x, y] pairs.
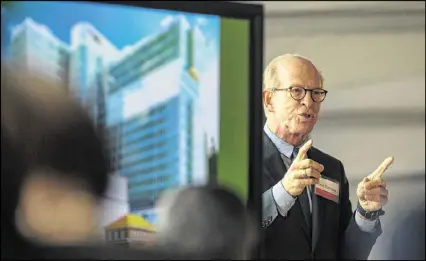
{"points": [[328, 188]]}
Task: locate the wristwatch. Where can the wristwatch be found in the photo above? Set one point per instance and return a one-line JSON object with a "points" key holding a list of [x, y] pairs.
{"points": [[370, 215]]}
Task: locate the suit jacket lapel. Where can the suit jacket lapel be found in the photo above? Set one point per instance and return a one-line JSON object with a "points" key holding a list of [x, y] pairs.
{"points": [[318, 208], [273, 160], [275, 165]]}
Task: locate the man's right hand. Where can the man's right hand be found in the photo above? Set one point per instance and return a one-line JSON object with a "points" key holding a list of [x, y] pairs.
{"points": [[302, 172]]}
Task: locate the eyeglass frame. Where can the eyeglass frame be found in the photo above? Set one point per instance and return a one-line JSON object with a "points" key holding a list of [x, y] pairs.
{"points": [[288, 89]]}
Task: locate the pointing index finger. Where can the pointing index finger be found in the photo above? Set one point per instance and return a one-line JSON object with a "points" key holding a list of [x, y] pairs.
{"points": [[382, 168], [303, 150]]}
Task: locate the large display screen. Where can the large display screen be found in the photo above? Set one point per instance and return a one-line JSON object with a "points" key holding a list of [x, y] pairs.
{"points": [[170, 89]]}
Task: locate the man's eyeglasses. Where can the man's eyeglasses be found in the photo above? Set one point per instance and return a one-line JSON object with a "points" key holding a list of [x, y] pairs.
{"points": [[298, 93]]}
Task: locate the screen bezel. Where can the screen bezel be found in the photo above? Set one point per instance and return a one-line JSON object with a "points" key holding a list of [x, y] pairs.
{"points": [[255, 14]]}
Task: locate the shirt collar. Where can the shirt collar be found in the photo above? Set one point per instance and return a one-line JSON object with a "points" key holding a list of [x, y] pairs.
{"points": [[283, 147]]}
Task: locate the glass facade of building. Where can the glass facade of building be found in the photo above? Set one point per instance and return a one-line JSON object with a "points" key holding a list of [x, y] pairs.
{"points": [[40, 51], [153, 140], [146, 98]]}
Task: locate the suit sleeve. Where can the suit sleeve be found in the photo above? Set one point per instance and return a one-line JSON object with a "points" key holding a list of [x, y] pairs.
{"points": [[355, 244], [269, 208], [275, 201]]}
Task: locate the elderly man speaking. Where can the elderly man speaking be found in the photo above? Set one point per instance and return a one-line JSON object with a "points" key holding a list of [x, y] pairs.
{"points": [[307, 213]]}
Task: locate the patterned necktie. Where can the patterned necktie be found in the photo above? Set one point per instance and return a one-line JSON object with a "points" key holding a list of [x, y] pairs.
{"points": [[304, 198]]}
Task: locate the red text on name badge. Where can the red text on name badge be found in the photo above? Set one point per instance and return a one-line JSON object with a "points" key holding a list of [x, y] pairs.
{"points": [[328, 189]]}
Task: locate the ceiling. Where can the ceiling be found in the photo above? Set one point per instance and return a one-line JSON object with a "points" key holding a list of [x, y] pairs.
{"points": [[364, 45], [286, 7]]}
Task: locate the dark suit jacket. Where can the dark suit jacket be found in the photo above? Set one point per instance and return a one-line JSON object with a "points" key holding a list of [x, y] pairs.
{"points": [[335, 234]]}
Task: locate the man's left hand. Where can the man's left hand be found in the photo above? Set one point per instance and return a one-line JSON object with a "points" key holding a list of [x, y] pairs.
{"points": [[372, 193]]}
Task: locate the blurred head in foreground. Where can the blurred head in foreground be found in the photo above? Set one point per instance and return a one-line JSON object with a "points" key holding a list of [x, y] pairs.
{"points": [[53, 166], [210, 222]]}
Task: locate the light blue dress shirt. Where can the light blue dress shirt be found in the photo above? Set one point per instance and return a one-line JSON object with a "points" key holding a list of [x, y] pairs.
{"points": [[285, 201]]}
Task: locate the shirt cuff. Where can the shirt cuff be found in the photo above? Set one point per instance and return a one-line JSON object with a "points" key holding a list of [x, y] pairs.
{"points": [[365, 225], [283, 199]]}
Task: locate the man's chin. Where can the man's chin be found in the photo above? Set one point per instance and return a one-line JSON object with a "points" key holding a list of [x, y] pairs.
{"points": [[296, 140], [300, 131]]}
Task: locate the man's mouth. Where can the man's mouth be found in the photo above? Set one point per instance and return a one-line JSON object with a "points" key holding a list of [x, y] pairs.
{"points": [[307, 116]]}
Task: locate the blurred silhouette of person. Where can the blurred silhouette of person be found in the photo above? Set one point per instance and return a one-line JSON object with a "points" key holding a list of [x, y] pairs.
{"points": [[408, 240], [66, 164], [54, 171], [206, 222]]}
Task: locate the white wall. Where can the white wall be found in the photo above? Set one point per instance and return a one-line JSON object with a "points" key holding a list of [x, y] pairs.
{"points": [[362, 126], [374, 68]]}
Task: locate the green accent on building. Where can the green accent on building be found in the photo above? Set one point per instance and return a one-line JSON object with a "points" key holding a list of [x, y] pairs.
{"points": [[191, 63]]}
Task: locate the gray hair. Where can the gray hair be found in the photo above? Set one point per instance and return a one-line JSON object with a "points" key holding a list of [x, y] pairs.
{"points": [[208, 221]]}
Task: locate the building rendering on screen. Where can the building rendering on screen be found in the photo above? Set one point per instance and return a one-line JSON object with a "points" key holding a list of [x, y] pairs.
{"points": [[130, 231], [145, 96], [36, 48]]}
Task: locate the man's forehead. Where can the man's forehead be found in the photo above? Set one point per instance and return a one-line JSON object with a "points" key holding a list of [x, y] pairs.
{"points": [[298, 71]]}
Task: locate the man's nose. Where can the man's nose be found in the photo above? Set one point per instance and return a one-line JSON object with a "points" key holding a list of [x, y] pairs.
{"points": [[307, 100]]}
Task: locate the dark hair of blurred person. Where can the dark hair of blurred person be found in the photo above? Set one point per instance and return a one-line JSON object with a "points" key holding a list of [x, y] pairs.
{"points": [[54, 171], [54, 165], [206, 222]]}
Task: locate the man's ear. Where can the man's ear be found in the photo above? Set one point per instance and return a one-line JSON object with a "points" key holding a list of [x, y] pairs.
{"points": [[267, 101]]}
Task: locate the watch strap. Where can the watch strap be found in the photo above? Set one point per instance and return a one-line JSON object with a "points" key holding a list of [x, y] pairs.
{"points": [[370, 215]]}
